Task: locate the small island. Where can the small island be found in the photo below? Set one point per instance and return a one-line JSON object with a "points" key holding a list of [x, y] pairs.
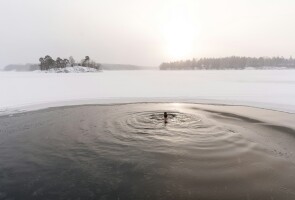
{"points": [[48, 64]]}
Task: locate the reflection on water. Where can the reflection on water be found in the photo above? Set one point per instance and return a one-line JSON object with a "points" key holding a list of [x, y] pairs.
{"points": [[128, 152]]}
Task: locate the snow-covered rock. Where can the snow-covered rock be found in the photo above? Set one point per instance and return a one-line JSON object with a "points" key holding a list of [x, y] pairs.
{"points": [[75, 69]]}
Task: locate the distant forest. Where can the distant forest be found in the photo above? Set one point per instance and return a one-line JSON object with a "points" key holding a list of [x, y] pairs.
{"points": [[230, 63]]}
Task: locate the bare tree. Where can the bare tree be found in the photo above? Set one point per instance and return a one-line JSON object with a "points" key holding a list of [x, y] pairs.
{"points": [[72, 61]]}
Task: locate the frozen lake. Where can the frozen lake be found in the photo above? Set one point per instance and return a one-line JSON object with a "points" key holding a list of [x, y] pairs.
{"points": [[274, 89], [127, 151]]}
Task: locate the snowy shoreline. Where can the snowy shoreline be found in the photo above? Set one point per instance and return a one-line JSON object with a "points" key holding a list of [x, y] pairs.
{"points": [[28, 91], [102, 102], [74, 69]]}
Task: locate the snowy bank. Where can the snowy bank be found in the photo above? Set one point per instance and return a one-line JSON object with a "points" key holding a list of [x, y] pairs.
{"points": [[75, 69], [266, 89]]}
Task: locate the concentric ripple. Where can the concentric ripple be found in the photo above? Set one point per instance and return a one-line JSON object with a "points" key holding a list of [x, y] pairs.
{"points": [[129, 152], [190, 133], [154, 120]]}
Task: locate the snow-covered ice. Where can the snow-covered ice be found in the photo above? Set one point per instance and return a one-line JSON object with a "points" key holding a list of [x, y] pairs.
{"points": [[273, 89]]}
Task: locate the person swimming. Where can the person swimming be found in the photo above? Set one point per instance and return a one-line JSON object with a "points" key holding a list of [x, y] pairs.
{"points": [[165, 117]]}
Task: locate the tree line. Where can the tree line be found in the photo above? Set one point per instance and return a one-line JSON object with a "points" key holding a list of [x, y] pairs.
{"points": [[233, 62], [48, 62]]}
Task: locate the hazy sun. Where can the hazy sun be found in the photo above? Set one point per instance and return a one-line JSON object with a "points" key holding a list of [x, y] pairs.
{"points": [[179, 35]]}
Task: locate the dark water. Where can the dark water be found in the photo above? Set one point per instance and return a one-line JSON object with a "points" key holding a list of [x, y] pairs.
{"points": [[128, 152]]}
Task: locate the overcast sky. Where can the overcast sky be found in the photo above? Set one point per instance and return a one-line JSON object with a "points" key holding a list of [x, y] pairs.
{"points": [[144, 32]]}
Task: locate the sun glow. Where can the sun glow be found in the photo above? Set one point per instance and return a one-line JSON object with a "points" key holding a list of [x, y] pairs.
{"points": [[179, 36]]}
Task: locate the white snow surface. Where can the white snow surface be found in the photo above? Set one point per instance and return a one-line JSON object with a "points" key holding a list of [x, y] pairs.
{"points": [[271, 89]]}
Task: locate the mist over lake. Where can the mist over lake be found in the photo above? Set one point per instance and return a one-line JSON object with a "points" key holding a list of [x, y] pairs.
{"points": [[147, 99]]}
